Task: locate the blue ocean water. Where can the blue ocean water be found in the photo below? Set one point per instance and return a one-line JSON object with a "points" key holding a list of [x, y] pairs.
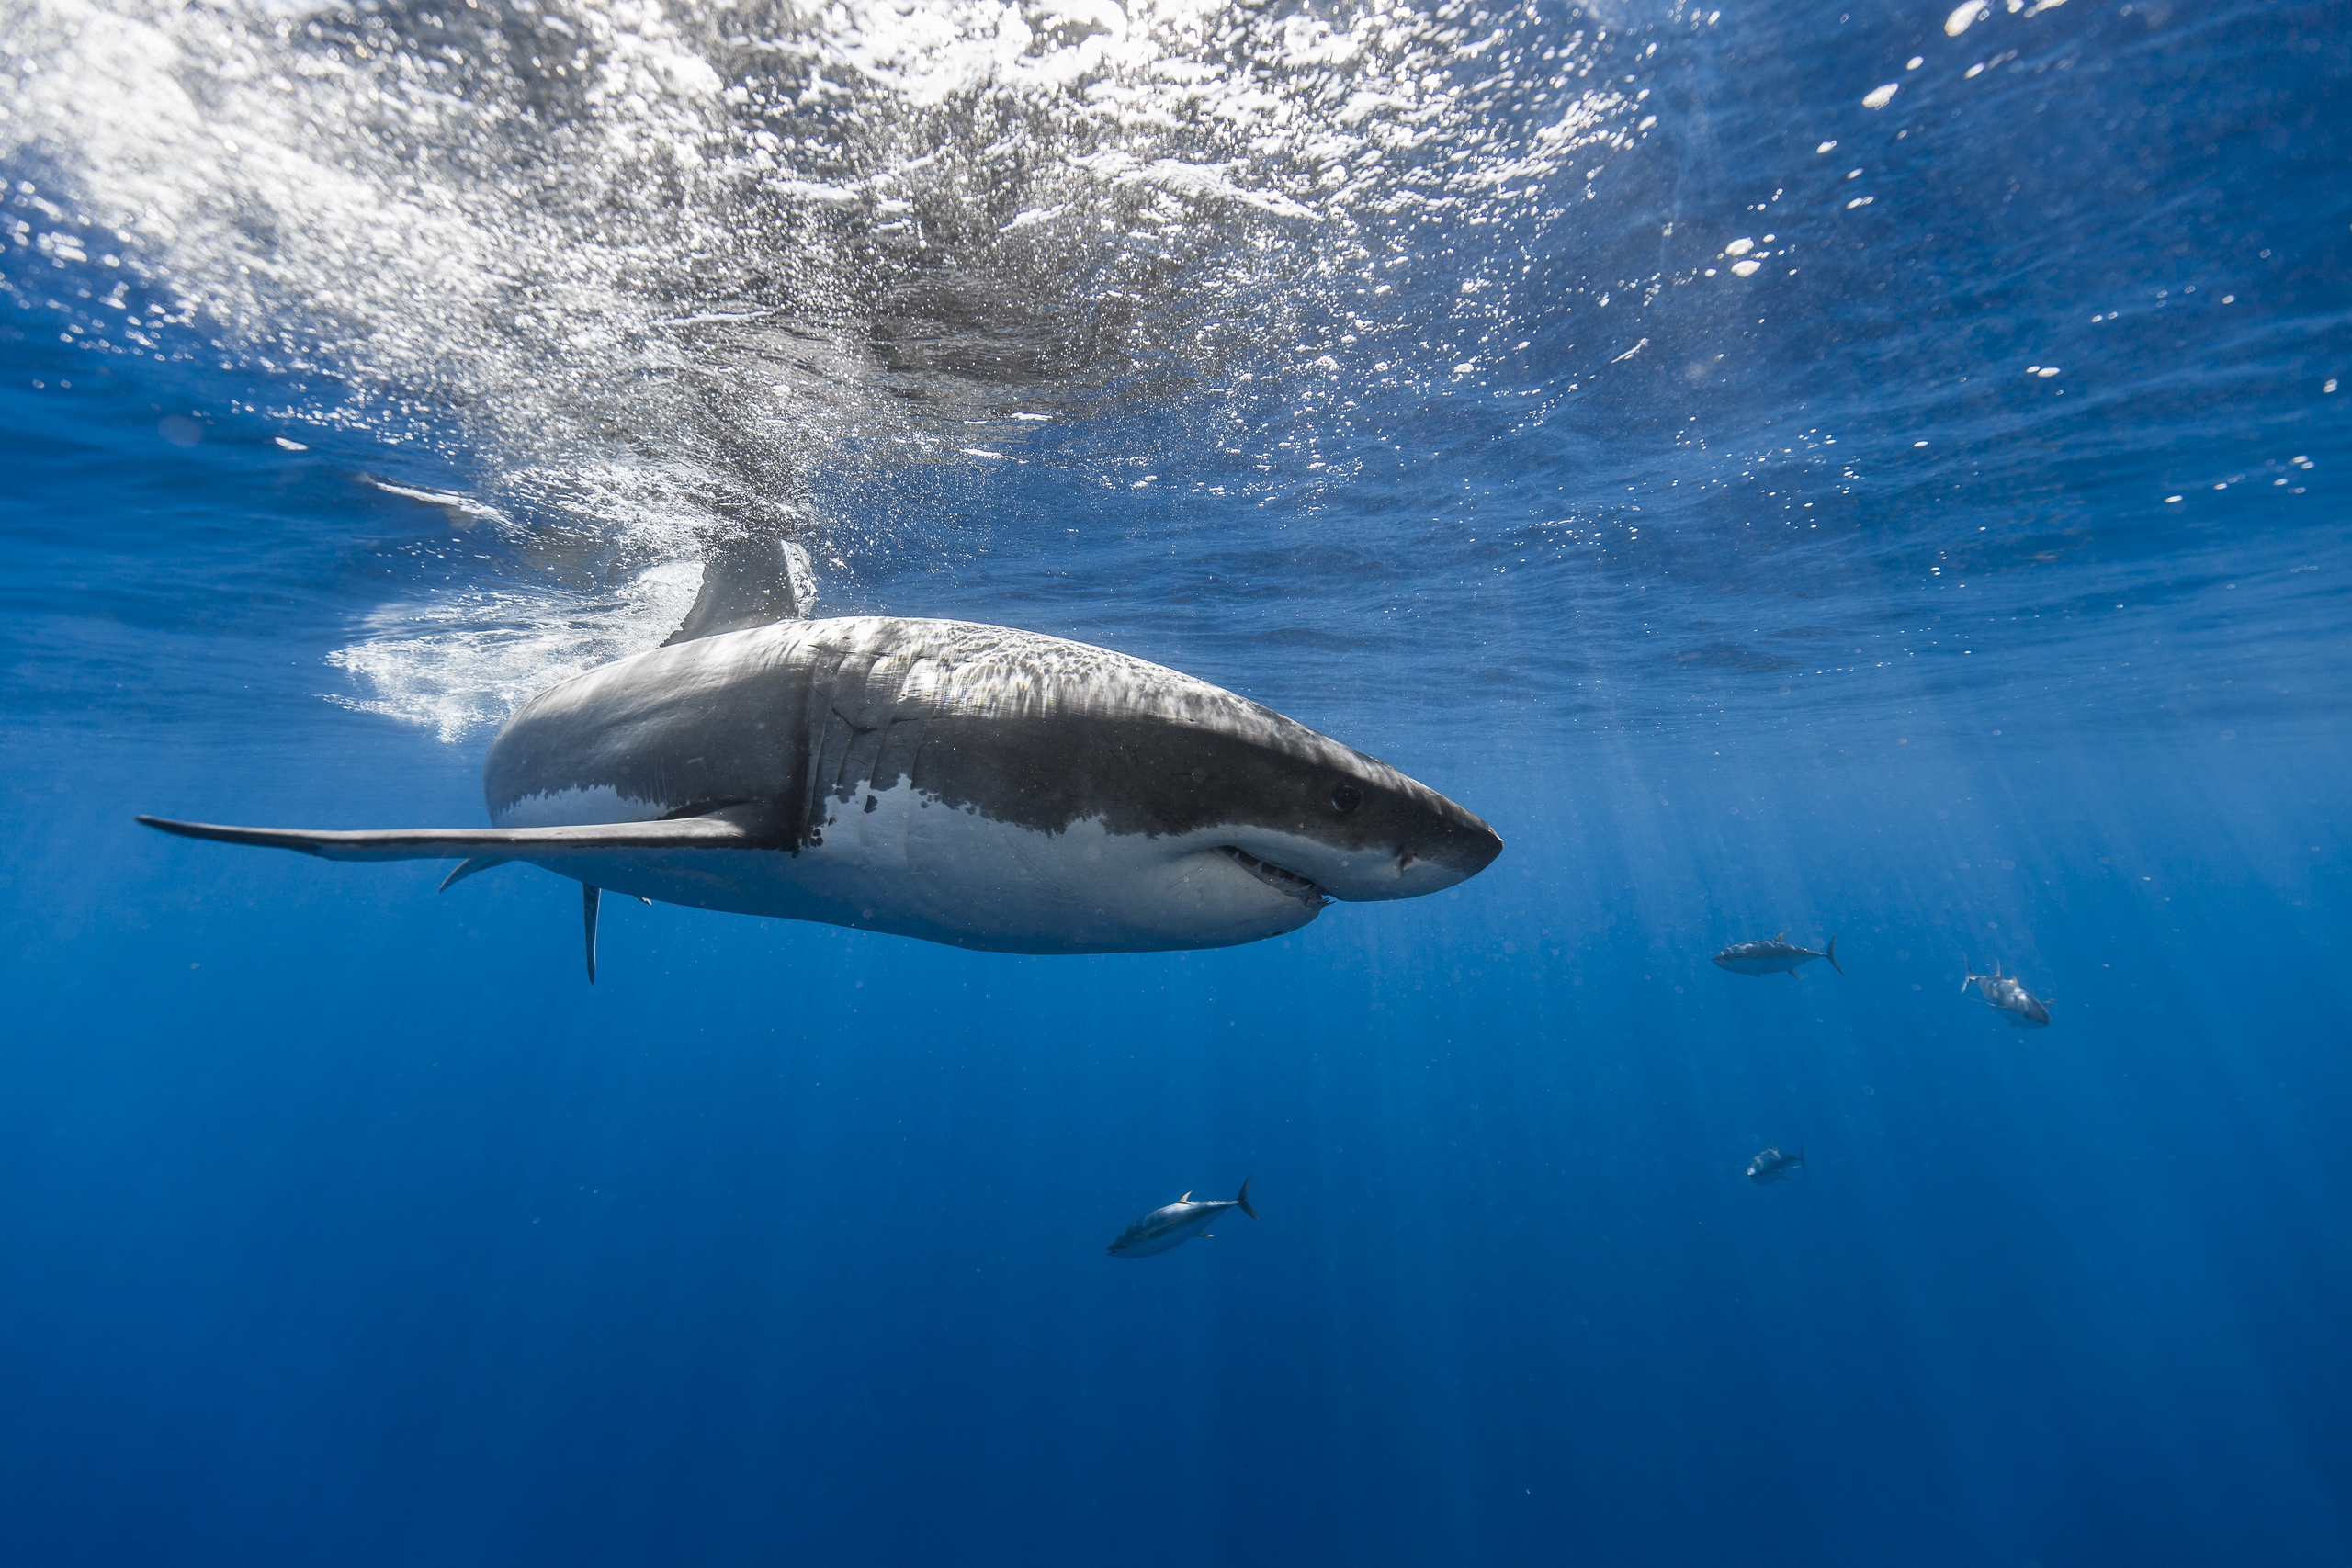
{"points": [[1844, 470]]}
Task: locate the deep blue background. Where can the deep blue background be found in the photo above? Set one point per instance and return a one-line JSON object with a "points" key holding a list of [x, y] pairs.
{"points": [[342, 1222]]}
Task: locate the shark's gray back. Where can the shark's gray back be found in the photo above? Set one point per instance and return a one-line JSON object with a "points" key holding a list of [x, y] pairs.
{"points": [[809, 716]]}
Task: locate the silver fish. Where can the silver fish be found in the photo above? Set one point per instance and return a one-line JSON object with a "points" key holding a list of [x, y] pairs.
{"points": [[2025, 1010], [1167, 1228], [1777, 956], [1772, 1166]]}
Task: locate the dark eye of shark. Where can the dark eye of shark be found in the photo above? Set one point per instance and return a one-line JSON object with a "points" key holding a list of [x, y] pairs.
{"points": [[1346, 797]]}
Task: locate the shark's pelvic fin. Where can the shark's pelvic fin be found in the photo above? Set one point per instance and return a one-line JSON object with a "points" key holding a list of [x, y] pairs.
{"points": [[589, 896], [467, 868], [732, 830]]}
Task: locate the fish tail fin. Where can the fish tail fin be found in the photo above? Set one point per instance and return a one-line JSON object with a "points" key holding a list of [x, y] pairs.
{"points": [[1801, 1165], [1830, 953], [1967, 974], [1244, 1199]]}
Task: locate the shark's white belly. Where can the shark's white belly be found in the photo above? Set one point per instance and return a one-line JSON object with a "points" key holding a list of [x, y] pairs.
{"points": [[901, 860]]}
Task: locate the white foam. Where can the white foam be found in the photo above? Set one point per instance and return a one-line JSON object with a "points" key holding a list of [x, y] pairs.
{"points": [[458, 662]]}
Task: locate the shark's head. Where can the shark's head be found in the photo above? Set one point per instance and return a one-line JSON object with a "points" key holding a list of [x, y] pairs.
{"points": [[1355, 828], [1235, 803]]}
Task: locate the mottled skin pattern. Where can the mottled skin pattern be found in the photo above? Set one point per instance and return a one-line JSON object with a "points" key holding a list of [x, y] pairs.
{"points": [[1772, 1166]]}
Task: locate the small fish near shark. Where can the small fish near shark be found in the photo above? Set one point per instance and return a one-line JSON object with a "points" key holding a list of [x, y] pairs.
{"points": [[970, 784], [1777, 956], [1772, 1166], [1171, 1225], [2006, 994]]}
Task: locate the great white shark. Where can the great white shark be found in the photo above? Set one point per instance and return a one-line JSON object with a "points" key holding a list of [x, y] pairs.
{"points": [[964, 784]]}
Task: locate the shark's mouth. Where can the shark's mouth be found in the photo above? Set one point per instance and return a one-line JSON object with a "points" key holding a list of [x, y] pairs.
{"points": [[1288, 882]]}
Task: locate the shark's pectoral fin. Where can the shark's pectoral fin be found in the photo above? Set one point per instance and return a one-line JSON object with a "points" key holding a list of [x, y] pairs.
{"points": [[478, 849], [465, 868], [735, 829], [589, 896]]}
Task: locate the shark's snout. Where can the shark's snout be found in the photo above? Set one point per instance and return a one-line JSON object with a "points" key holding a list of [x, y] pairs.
{"points": [[1448, 847], [1478, 847]]}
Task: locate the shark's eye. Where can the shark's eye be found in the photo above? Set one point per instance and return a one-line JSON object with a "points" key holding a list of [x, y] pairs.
{"points": [[1346, 797]]}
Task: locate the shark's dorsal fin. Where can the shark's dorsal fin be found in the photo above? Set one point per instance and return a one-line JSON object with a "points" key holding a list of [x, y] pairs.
{"points": [[747, 580], [1186, 1199]]}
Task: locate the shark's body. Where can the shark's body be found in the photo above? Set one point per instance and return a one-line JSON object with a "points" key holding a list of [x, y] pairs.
{"points": [[1772, 1166], [1777, 956], [1167, 1228], [964, 784], [2005, 993]]}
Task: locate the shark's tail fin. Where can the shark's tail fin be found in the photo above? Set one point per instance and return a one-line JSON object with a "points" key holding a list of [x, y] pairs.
{"points": [[1244, 1199], [1801, 1165], [1830, 953], [1967, 975]]}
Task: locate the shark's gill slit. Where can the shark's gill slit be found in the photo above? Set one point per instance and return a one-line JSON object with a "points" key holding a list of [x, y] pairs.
{"points": [[1275, 877]]}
